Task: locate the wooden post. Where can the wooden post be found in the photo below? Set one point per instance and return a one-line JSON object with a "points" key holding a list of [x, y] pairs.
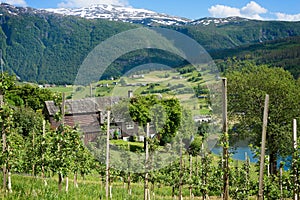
{"points": [[280, 181], [180, 172], [247, 162], [63, 108], [43, 154], [146, 187], [33, 141], [263, 146], [4, 170], [225, 142], [1, 63], [191, 173], [296, 189], [91, 90], [4, 164], [107, 188], [62, 122]]}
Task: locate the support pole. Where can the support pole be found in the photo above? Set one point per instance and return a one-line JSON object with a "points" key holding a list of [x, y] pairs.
{"points": [[4, 170], [146, 187], [63, 108], [225, 142], [60, 178], [107, 189], [43, 154], [263, 146], [91, 90], [296, 175], [181, 172]]}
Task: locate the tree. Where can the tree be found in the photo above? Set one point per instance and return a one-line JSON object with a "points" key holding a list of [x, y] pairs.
{"points": [[246, 90], [64, 147], [144, 109], [29, 96]]}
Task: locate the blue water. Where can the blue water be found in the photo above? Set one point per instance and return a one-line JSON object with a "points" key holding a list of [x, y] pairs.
{"points": [[240, 152]]}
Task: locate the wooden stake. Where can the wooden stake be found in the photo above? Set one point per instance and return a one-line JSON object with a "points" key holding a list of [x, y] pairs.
{"points": [[225, 142], [67, 184], [91, 90], [43, 154], [4, 169], [191, 173], [280, 180], [107, 188], [263, 146], [33, 141], [296, 189], [181, 172], [9, 181], [146, 187], [62, 122], [63, 108]]}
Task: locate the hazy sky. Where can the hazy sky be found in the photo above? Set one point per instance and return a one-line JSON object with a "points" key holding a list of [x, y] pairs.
{"points": [[193, 9]]}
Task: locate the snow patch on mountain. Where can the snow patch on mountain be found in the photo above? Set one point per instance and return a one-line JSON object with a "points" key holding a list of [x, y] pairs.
{"points": [[124, 14], [120, 13], [217, 21]]}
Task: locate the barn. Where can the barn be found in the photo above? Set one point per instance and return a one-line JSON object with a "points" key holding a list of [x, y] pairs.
{"points": [[89, 114]]}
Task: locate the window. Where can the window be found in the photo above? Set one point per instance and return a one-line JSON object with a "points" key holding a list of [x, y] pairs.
{"points": [[129, 125]]}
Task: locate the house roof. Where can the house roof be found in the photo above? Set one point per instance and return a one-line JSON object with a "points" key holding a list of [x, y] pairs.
{"points": [[83, 106]]}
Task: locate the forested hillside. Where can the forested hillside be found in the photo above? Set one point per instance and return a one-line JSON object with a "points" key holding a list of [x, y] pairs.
{"points": [[283, 53], [42, 47], [50, 48]]}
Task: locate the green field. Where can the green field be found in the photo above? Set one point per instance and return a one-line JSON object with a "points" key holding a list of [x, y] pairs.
{"points": [[92, 186], [167, 83]]}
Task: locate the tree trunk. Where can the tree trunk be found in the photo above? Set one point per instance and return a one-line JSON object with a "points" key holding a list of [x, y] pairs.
{"points": [[9, 181], [67, 184], [173, 191], [75, 180], [43, 175], [129, 184], [273, 163], [153, 189], [59, 182], [110, 191]]}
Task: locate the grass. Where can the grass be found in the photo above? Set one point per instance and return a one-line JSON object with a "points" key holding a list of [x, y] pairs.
{"points": [[93, 186], [133, 146], [164, 79], [33, 188]]}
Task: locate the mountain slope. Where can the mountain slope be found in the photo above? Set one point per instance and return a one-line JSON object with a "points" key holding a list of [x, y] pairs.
{"points": [[119, 13], [283, 53], [41, 46]]}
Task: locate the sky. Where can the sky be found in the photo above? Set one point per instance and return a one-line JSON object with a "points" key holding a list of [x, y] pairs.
{"points": [[288, 10]]}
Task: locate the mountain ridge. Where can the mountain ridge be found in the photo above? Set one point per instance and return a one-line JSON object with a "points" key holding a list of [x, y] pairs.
{"points": [[44, 47], [124, 14]]}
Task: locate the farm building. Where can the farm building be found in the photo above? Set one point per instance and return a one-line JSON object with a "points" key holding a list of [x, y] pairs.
{"points": [[90, 114]]}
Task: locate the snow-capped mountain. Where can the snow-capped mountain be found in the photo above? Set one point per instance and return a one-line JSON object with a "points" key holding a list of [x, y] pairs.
{"points": [[217, 21], [120, 13]]}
